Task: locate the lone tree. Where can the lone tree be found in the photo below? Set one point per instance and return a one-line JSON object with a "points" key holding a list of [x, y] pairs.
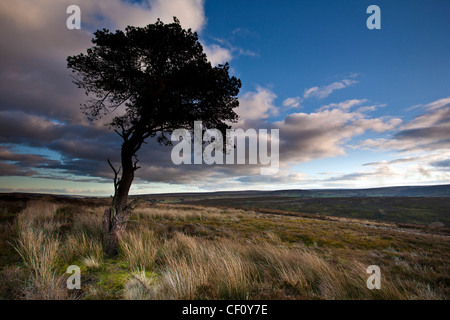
{"points": [[151, 80]]}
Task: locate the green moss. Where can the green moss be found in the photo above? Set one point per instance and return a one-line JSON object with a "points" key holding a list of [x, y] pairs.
{"points": [[112, 281]]}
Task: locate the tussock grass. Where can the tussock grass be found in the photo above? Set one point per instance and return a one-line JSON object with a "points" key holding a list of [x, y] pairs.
{"points": [[193, 252], [79, 246], [88, 222], [139, 248], [186, 213], [92, 262], [38, 253], [139, 287], [198, 269], [224, 269], [38, 215], [38, 245]]}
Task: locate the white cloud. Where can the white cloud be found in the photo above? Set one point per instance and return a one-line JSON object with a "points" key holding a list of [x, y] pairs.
{"points": [[345, 105], [293, 102], [256, 105], [217, 54], [379, 124], [438, 104], [402, 171], [119, 13], [427, 132], [307, 136], [325, 91]]}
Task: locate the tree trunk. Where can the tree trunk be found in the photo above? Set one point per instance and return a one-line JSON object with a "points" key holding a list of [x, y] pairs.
{"points": [[116, 217]]}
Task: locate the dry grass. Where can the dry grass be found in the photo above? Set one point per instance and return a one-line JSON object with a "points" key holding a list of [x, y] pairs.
{"points": [[38, 253], [139, 248], [79, 246], [92, 262], [139, 287], [194, 268], [191, 252], [191, 268], [40, 216], [38, 245]]}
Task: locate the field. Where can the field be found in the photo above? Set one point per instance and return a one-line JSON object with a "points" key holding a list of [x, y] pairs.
{"points": [[407, 210], [212, 251]]}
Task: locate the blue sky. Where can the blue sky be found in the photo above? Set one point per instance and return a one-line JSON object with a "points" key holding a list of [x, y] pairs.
{"points": [[298, 44], [354, 107]]}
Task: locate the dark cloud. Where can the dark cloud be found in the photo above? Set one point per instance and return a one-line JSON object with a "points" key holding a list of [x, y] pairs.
{"points": [[441, 164], [8, 169]]}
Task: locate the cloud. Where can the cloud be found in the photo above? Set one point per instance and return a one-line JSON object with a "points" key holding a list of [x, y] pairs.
{"points": [[282, 177], [345, 105], [396, 161], [325, 91], [427, 132], [256, 105], [217, 54], [403, 171], [307, 136], [39, 105], [441, 164], [438, 104], [8, 169], [378, 173], [293, 102], [423, 143], [33, 66], [119, 13]]}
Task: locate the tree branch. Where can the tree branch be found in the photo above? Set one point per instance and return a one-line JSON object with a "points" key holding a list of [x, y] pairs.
{"points": [[116, 173], [120, 134], [136, 160], [133, 204]]}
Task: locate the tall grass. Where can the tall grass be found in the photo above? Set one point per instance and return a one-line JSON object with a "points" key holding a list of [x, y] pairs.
{"points": [[81, 247], [138, 287], [38, 215], [48, 237], [39, 254], [222, 264], [139, 248], [38, 245], [193, 268]]}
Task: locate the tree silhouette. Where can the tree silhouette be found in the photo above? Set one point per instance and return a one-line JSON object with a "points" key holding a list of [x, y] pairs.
{"points": [[152, 80]]}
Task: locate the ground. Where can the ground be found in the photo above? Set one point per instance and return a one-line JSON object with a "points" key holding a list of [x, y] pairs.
{"points": [[187, 251]]}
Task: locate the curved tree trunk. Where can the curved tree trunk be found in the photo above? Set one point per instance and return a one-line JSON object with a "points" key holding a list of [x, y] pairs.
{"points": [[116, 217]]}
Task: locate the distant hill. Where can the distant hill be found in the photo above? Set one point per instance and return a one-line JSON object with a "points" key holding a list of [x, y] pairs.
{"points": [[413, 191], [408, 191], [405, 191]]}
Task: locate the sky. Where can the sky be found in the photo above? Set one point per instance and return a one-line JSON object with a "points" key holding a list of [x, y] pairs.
{"points": [[355, 107]]}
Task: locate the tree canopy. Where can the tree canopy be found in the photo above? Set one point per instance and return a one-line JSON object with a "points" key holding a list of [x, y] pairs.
{"points": [[156, 78]]}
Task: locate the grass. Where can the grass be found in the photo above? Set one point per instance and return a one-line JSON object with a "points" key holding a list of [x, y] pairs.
{"points": [[411, 210], [139, 248], [193, 252]]}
